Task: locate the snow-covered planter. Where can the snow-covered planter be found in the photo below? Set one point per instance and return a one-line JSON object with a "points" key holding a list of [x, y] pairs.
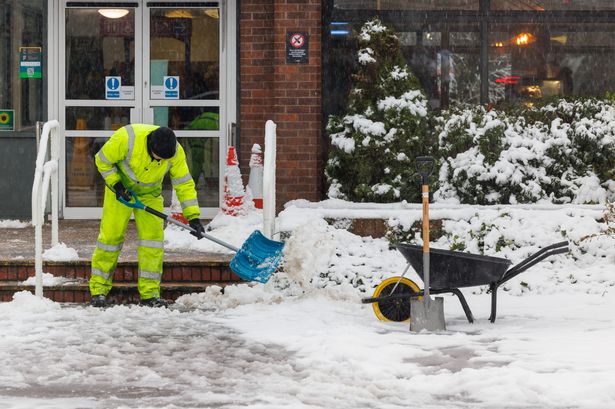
{"points": [[374, 143], [563, 152]]}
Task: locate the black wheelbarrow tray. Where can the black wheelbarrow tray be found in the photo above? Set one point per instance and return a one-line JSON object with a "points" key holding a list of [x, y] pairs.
{"points": [[450, 271]]}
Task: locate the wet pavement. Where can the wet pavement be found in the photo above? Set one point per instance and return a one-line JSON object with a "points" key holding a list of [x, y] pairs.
{"points": [[18, 244], [136, 358]]}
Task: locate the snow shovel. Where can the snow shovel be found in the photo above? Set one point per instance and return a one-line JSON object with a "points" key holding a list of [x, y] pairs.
{"points": [[426, 314], [257, 258]]}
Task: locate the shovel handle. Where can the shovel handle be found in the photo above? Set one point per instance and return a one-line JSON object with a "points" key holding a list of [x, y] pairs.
{"points": [[190, 229], [135, 203], [425, 166]]}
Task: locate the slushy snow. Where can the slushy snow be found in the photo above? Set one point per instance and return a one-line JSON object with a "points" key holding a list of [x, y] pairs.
{"points": [[13, 224], [304, 339], [60, 252]]}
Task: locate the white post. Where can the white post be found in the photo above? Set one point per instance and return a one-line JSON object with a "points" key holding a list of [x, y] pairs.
{"points": [[55, 185], [269, 180]]}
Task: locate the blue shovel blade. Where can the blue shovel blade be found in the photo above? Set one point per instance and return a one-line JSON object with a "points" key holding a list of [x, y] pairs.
{"points": [[257, 258]]}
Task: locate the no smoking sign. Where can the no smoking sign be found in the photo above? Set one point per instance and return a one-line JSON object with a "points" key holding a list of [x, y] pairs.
{"points": [[297, 51], [297, 40]]}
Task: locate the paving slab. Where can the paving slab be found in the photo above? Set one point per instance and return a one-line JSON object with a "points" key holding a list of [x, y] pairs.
{"points": [[18, 244]]}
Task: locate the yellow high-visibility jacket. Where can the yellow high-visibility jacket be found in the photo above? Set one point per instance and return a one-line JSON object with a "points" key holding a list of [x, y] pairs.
{"points": [[124, 158]]}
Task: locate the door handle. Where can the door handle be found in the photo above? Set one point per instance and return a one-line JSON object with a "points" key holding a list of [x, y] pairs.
{"points": [[231, 137]]}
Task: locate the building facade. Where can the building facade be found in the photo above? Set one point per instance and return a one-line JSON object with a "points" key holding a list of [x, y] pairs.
{"points": [[216, 71]]}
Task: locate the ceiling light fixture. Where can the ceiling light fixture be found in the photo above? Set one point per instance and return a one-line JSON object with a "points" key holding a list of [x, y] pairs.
{"points": [[524, 39], [113, 13], [213, 13], [178, 13]]}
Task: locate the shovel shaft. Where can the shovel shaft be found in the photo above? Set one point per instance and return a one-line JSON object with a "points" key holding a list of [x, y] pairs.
{"points": [[425, 193], [190, 229]]}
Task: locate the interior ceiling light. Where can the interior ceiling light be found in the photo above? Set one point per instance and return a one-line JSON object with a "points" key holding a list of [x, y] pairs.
{"points": [[179, 13], [524, 39], [113, 13], [213, 13], [562, 39]]}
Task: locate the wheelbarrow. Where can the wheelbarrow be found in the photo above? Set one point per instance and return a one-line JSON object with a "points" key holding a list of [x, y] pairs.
{"points": [[450, 271]]}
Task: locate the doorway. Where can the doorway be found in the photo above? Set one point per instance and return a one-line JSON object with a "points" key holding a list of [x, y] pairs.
{"points": [[143, 62]]}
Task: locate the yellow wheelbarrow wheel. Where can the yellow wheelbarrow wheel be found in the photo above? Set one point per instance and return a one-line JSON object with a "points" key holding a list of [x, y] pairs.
{"points": [[395, 309]]}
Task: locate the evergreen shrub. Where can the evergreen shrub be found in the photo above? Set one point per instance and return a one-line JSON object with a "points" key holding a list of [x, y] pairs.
{"points": [[385, 126]]}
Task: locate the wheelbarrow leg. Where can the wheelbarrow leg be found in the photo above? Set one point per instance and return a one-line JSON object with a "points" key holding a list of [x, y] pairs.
{"points": [[464, 304], [494, 301]]}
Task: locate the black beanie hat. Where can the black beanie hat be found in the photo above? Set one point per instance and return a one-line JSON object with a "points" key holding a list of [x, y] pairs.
{"points": [[162, 142]]}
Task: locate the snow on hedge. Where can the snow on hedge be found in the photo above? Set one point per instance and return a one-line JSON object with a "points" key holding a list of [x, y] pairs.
{"points": [[325, 257], [563, 152]]}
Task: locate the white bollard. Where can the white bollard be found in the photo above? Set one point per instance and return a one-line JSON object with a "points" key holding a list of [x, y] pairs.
{"points": [[269, 204], [255, 180]]}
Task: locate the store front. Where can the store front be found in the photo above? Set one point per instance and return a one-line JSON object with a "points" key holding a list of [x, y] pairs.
{"points": [[202, 67], [101, 65], [142, 62]]}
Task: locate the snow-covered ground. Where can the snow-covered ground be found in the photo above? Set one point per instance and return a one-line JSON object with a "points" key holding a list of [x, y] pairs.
{"points": [[309, 351], [304, 340]]}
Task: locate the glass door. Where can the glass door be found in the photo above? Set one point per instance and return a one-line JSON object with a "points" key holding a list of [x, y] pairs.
{"points": [[182, 66], [101, 66], [140, 62]]}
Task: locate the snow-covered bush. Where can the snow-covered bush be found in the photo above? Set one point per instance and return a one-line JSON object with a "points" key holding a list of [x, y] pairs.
{"points": [[563, 152], [609, 224], [385, 126]]}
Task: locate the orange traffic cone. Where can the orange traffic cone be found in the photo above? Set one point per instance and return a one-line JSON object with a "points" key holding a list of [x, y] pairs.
{"points": [[233, 186], [176, 209], [255, 181]]}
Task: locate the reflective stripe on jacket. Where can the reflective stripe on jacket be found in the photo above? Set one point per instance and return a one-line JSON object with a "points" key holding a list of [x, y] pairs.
{"points": [[124, 158]]}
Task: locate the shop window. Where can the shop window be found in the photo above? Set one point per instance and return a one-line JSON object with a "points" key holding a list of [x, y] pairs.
{"points": [[408, 5], [532, 62], [445, 58], [552, 5], [498, 51], [23, 56]]}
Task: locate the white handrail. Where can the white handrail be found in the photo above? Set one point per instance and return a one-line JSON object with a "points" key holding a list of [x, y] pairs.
{"points": [[45, 173], [269, 180]]}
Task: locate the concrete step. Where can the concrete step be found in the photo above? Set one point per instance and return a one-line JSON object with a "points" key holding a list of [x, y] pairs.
{"points": [[122, 293], [179, 271], [178, 278]]}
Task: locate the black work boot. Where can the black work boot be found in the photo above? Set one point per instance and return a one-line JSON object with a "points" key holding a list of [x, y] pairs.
{"points": [[98, 301], [155, 302]]}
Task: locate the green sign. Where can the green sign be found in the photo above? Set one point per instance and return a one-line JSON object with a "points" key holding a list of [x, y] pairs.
{"points": [[30, 62], [7, 120]]}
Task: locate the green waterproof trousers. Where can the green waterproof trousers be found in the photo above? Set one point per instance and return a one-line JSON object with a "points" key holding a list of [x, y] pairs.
{"points": [[113, 225]]}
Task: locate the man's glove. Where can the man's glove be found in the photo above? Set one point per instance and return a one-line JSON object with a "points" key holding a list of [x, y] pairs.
{"points": [[121, 192], [198, 227]]}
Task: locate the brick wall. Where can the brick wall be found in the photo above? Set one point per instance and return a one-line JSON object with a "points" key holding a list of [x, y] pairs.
{"points": [[290, 94]]}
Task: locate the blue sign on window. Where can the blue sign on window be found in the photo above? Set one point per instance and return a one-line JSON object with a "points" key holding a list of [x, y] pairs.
{"points": [[171, 87], [112, 87]]}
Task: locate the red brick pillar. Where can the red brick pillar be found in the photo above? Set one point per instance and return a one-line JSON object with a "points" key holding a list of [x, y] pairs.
{"points": [[255, 74], [290, 94]]}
